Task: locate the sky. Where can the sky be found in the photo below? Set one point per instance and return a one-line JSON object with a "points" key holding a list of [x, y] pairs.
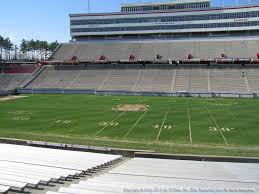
{"points": [[49, 19]]}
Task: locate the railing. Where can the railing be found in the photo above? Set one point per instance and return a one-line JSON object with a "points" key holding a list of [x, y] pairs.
{"points": [[134, 93], [7, 92]]}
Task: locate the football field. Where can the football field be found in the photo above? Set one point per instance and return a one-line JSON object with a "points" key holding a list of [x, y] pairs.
{"points": [[214, 126]]}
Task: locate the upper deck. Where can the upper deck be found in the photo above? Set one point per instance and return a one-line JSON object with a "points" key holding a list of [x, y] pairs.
{"points": [[168, 23]]}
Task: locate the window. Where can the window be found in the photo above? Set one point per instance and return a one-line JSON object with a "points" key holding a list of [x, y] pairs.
{"points": [[169, 27], [166, 18]]}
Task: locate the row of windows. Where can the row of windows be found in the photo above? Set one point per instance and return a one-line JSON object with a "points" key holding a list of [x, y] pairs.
{"points": [[166, 18], [168, 27], [165, 7]]}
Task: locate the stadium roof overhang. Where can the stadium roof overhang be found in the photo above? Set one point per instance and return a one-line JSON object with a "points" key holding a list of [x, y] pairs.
{"points": [[175, 2]]}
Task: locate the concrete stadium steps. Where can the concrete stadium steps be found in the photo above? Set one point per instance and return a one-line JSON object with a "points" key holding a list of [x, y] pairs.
{"points": [[113, 54], [199, 80], [164, 81], [152, 174], [182, 80], [90, 79], [24, 166], [147, 52], [147, 80], [253, 79], [174, 79], [120, 80], [226, 80], [11, 81], [171, 49]]}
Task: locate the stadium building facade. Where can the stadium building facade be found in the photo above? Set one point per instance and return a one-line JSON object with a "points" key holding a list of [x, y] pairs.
{"points": [[173, 20]]}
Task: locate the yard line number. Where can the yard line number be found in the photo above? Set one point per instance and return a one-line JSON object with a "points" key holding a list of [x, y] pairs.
{"points": [[21, 118], [63, 121], [113, 124], [224, 129], [165, 126]]}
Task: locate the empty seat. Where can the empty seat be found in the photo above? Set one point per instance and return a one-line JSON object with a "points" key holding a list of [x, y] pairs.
{"points": [[21, 166]]}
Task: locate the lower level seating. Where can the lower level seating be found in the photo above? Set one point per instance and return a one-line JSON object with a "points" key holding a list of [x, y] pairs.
{"points": [[11, 81], [142, 175], [23, 166], [201, 79]]}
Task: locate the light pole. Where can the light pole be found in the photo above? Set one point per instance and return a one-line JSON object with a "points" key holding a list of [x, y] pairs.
{"points": [[89, 6]]}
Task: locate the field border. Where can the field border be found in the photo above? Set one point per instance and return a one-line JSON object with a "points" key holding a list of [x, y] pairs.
{"points": [[130, 153], [135, 93]]}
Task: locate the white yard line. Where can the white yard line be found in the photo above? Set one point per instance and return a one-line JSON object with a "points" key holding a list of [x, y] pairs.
{"points": [[231, 112], [111, 122], [189, 118], [106, 110], [130, 130], [161, 128], [213, 119]]}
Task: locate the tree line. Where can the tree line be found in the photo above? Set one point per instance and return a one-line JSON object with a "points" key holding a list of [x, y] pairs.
{"points": [[28, 50]]}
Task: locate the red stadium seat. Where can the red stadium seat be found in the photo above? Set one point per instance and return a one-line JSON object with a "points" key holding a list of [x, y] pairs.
{"points": [[158, 57], [102, 58], [257, 55], [189, 56], [223, 56], [131, 57], [17, 68], [74, 58]]}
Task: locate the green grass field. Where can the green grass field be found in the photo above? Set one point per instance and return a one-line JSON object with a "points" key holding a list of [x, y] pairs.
{"points": [[207, 126]]}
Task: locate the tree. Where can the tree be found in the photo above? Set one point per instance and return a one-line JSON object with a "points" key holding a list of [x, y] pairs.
{"points": [[44, 49], [24, 48], [1, 47], [16, 48], [32, 50], [8, 46], [53, 46]]}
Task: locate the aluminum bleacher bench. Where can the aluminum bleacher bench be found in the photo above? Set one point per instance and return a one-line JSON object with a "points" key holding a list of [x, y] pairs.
{"points": [[23, 166], [19, 179], [4, 189], [13, 184]]}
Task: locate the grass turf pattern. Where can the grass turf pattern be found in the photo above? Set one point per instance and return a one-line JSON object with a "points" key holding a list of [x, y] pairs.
{"points": [[213, 126]]}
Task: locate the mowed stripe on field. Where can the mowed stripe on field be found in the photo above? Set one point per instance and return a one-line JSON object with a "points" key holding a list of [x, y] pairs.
{"points": [[175, 127], [187, 120]]}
